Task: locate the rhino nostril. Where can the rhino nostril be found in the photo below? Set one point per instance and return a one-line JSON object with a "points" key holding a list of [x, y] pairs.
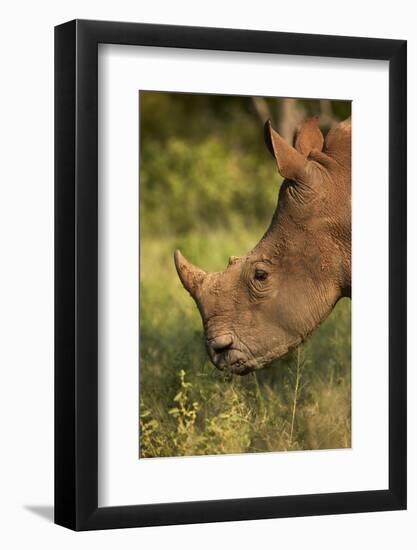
{"points": [[221, 343]]}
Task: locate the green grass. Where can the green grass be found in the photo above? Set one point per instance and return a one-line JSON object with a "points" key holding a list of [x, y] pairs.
{"points": [[187, 407]]}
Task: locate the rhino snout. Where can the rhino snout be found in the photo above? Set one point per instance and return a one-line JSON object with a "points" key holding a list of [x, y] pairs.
{"points": [[225, 356], [220, 343]]}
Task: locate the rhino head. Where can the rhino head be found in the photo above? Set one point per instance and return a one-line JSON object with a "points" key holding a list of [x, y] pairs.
{"points": [[267, 302]]}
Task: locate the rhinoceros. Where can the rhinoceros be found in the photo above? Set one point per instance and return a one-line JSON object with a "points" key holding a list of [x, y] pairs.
{"points": [[267, 302]]}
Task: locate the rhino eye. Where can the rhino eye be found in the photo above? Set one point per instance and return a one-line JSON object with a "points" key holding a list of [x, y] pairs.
{"points": [[261, 275]]}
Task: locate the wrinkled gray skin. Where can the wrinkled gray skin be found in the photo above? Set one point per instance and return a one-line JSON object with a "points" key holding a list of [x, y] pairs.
{"points": [[267, 302]]}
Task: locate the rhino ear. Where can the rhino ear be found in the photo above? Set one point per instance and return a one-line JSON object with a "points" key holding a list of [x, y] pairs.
{"points": [[291, 163], [309, 137]]}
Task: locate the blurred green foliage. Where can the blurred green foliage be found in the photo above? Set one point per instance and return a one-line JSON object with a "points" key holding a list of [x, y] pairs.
{"points": [[209, 187], [204, 163]]}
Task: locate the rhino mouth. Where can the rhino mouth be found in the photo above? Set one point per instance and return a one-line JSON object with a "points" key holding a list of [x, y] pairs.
{"points": [[238, 361], [234, 361], [231, 355], [238, 368]]}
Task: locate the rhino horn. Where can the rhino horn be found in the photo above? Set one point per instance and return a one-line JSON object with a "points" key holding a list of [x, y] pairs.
{"points": [[291, 163], [190, 275]]}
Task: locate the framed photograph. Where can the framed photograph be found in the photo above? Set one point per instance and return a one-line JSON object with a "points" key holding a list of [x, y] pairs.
{"points": [[230, 254]]}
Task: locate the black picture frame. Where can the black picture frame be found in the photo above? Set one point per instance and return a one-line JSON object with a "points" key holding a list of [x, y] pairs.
{"points": [[76, 272]]}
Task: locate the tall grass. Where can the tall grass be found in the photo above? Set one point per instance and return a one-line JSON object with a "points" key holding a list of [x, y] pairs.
{"points": [[190, 408]]}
